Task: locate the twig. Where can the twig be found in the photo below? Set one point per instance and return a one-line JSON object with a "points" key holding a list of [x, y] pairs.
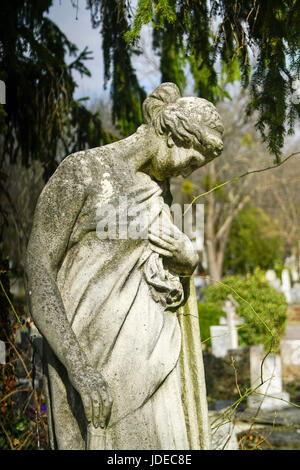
{"points": [[235, 375], [26, 440], [236, 178], [13, 309], [7, 436], [13, 392], [20, 357]]}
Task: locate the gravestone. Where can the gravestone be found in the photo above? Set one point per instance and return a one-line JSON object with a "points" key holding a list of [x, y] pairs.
{"points": [[229, 307], [292, 331], [295, 294], [2, 92], [290, 358], [286, 285], [290, 352], [293, 263], [17, 288], [224, 433], [273, 279], [294, 315], [200, 282], [220, 340], [224, 337], [266, 369], [2, 352]]}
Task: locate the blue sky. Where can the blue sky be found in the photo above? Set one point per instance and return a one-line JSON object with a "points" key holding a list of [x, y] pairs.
{"points": [[81, 33]]}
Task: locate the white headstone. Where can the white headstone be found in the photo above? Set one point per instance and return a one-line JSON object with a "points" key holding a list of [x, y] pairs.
{"points": [[286, 284], [266, 369], [225, 336], [295, 275], [290, 354], [271, 275], [2, 352], [293, 263], [229, 307], [2, 92], [273, 279], [219, 340], [290, 357], [295, 294], [199, 281]]}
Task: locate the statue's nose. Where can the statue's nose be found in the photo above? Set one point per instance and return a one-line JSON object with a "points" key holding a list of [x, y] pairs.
{"points": [[220, 146]]}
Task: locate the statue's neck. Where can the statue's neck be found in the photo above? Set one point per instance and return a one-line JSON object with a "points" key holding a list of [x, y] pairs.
{"points": [[139, 148]]}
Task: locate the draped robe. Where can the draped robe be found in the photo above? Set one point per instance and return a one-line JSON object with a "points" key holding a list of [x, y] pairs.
{"points": [[136, 321]]}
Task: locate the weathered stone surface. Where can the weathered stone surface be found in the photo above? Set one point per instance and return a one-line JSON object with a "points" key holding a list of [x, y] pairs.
{"points": [[290, 358], [119, 313], [220, 340], [224, 434], [286, 285], [266, 381], [282, 439], [277, 429], [292, 331], [287, 417], [295, 294], [2, 352]]}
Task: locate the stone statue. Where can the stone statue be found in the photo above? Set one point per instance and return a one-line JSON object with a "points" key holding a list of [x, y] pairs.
{"points": [[122, 349]]}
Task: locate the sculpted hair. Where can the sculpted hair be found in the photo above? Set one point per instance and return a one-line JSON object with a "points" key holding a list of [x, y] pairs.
{"points": [[183, 118]]}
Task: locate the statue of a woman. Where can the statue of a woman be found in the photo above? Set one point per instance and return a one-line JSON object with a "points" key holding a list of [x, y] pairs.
{"points": [[123, 362]]}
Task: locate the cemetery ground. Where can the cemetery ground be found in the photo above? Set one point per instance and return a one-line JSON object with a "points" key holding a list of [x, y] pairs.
{"points": [[236, 424]]}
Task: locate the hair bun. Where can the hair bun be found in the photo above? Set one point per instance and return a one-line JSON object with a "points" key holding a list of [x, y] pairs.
{"points": [[164, 94]]}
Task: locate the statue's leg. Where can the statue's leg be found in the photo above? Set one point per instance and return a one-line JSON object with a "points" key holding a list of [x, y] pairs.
{"points": [[65, 411], [158, 425]]}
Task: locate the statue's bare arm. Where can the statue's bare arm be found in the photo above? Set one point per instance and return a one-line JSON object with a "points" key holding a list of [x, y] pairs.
{"points": [[55, 216]]}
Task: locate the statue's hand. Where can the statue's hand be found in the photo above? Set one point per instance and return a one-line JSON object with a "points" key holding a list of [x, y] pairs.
{"points": [[95, 396], [176, 247]]}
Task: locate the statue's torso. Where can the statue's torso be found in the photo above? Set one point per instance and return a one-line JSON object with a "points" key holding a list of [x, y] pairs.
{"points": [[120, 320]]}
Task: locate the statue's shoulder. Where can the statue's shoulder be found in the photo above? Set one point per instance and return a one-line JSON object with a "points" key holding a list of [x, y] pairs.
{"points": [[85, 165]]}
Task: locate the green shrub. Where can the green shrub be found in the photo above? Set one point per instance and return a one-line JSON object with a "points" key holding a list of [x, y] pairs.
{"points": [[263, 309], [209, 314]]}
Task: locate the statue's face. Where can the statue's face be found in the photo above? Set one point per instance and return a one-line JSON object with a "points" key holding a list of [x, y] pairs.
{"points": [[173, 159]]}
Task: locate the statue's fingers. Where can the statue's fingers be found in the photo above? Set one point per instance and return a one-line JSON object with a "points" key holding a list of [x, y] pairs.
{"points": [[159, 230], [161, 234], [88, 408], [168, 238], [160, 251], [170, 233], [160, 243], [106, 407], [169, 228], [174, 232], [97, 408]]}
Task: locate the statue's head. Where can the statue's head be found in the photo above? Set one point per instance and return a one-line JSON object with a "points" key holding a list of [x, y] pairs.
{"points": [[189, 130]]}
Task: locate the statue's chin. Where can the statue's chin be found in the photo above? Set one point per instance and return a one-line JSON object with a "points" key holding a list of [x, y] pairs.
{"points": [[188, 171]]}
